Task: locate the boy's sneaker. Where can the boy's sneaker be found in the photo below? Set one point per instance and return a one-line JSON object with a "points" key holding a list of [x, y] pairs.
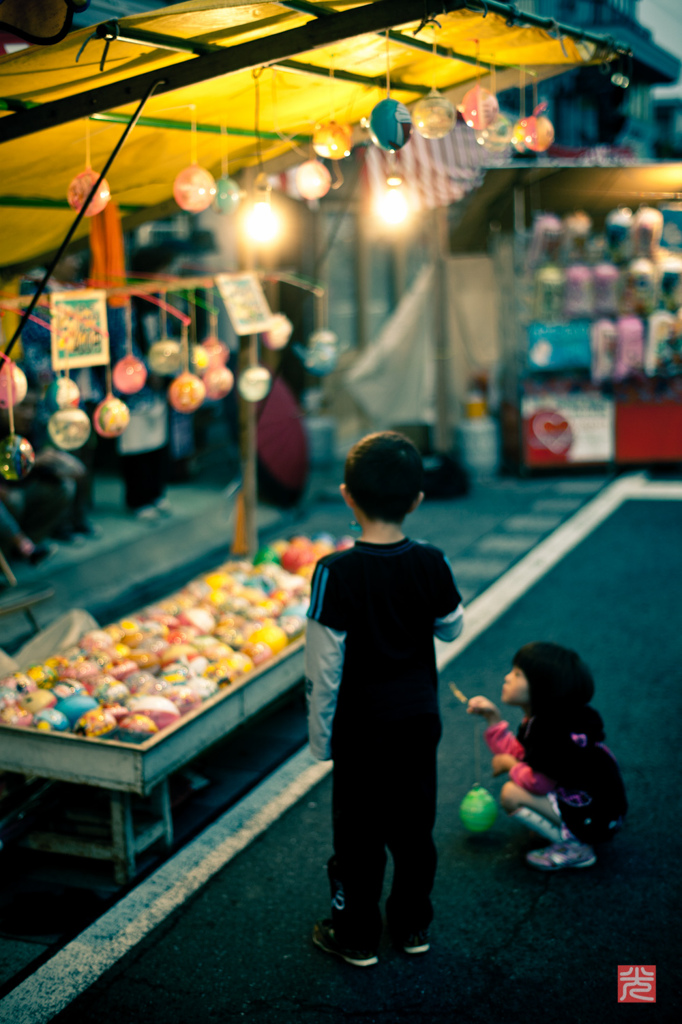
{"points": [[324, 937], [571, 854], [417, 942]]}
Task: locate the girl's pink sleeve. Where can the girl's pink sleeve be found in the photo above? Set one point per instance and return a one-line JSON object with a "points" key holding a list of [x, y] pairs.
{"points": [[533, 782], [502, 740]]}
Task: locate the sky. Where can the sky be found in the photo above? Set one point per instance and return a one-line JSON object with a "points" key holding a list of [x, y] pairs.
{"points": [[664, 20]]}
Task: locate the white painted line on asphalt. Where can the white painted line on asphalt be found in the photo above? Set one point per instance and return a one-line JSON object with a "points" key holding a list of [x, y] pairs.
{"points": [[79, 964], [502, 594]]}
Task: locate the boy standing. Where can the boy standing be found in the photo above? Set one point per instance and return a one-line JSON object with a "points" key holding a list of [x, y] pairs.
{"points": [[371, 684]]}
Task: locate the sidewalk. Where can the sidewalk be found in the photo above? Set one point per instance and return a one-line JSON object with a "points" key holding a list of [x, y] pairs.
{"points": [[509, 945]]}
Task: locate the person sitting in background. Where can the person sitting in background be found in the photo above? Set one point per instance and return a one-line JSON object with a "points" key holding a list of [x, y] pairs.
{"points": [[15, 543]]}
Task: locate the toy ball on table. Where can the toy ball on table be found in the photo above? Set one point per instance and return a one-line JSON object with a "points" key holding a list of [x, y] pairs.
{"points": [[39, 701], [137, 725], [274, 636], [76, 706], [61, 393], [97, 722], [162, 711], [478, 809], [266, 554], [50, 720], [16, 457], [14, 714]]}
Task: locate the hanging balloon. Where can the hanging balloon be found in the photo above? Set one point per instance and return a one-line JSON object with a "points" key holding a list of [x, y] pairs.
{"points": [[13, 384], [479, 107], [478, 809], [80, 189], [164, 357], [69, 428], [390, 125], [16, 457], [228, 195], [322, 354], [218, 381], [496, 138], [129, 375], [544, 134], [186, 393], [535, 132], [218, 353], [434, 116], [194, 189], [522, 134], [61, 393], [278, 333], [332, 140], [111, 417], [199, 360], [254, 383], [313, 180]]}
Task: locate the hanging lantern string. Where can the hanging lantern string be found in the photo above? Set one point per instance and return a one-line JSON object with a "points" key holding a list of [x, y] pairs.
{"points": [[107, 373], [163, 317], [192, 300], [129, 327], [256, 73], [10, 389], [193, 135], [522, 88], [224, 162], [535, 96], [435, 54], [289, 139], [331, 83], [493, 83], [388, 68], [164, 307], [87, 144], [184, 347]]}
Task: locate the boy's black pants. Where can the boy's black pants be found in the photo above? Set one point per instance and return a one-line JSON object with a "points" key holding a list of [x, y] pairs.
{"points": [[384, 796]]}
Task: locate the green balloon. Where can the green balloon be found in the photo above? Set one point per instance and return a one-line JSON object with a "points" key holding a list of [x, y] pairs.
{"points": [[478, 809], [266, 555]]}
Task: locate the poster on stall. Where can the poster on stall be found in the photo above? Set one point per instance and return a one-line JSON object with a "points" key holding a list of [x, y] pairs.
{"points": [[78, 328], [245, 302], [560, 429]]}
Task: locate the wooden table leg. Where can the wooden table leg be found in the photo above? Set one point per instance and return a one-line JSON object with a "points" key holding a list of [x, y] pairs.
{"points": [[122, 837]]}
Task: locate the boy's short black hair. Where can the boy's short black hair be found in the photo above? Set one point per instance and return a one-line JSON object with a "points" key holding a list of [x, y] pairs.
{"points": [[558, 678], [384, 475]]}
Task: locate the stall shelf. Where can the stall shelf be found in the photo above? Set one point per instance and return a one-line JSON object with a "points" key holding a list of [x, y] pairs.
{"points": [[125, 769]]}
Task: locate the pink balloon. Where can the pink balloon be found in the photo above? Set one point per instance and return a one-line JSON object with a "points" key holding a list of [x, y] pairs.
{"points": [[218, 381], [218, 352], [129, 375], [79, 190], [194, 189], [13, 384]]}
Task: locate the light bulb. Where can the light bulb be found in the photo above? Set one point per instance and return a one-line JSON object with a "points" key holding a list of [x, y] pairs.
{"points": [[262, 223], [393, 206]]}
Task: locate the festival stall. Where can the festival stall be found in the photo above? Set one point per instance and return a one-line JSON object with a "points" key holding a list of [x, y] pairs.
{"points": [[247, 86]]}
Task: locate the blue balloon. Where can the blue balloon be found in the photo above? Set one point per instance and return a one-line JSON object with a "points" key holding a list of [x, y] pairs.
{"points": [[74, 707], [390, 125]]}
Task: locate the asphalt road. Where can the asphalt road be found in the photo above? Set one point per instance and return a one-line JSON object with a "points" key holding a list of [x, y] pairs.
{"points": [[509, 944]]}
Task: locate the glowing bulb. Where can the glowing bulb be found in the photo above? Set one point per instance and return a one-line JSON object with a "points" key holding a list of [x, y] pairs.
{"points": [[393, 206], [262, 223]]}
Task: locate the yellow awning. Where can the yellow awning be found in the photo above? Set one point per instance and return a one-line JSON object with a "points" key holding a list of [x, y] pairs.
{"points": [[296, 91]]}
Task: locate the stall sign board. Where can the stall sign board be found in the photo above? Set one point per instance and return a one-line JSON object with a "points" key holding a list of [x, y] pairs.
{"points": [[559, 346], [245, 302], [560, 429], [78, 328]]}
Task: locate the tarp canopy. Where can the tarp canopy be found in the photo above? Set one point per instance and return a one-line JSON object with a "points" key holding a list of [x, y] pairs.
{"points": [[319, 60]]}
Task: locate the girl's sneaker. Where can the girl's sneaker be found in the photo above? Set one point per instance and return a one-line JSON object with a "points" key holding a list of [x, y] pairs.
{"points": [[325, 938], [571, 854]]}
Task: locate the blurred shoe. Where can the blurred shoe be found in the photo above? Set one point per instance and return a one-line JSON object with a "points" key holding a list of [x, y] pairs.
{"points": [[41, 552], [418, 942], [86, 528], [571, 854], [148, 514], [324, 937], [64, 534]]}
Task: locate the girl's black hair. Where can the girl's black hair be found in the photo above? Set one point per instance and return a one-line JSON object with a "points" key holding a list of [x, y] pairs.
{"points": [[557, 677]]}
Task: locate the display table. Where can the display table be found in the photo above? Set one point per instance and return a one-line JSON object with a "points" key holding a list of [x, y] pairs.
{"points": [[143, 768]]}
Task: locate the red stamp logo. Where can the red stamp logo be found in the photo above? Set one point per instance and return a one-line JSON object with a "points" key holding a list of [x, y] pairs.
{"points": [[637, 983]]}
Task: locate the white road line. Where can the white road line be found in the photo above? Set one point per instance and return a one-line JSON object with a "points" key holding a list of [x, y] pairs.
{"points": [[71, 971], [79, 964], [501, 594]]}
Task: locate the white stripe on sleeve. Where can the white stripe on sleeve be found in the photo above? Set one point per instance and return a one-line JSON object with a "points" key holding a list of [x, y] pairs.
{"points": [[450, 626], [324, 654]]}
